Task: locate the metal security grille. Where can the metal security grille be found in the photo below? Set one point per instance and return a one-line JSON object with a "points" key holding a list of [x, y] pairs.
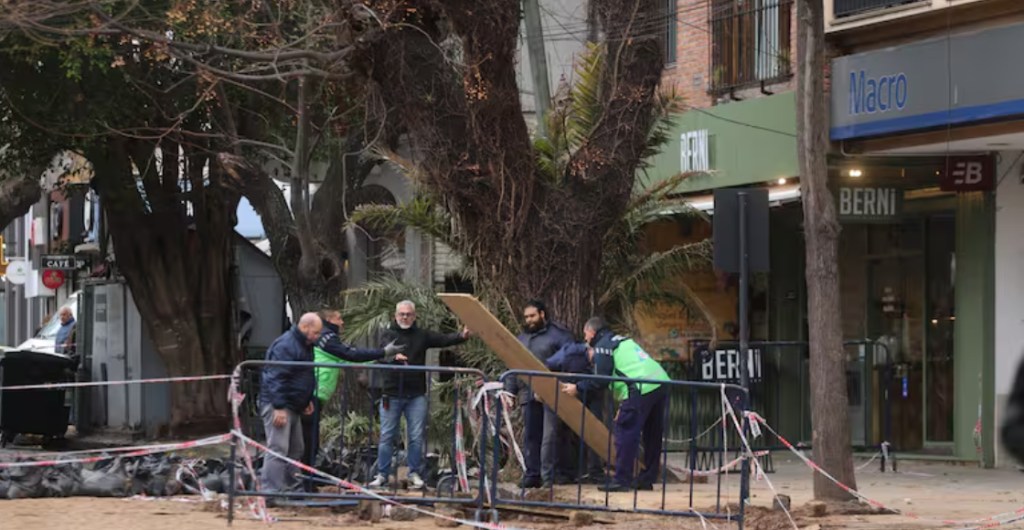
{"points": [[845, 8], [750, 42]]}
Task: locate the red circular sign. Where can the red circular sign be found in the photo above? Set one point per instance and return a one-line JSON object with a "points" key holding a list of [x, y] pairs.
{"points": [[53, 279]]}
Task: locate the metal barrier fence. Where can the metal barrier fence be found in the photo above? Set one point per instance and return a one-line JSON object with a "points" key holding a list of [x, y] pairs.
{"points": [[686, 392], [440, 400], [471, 398]]}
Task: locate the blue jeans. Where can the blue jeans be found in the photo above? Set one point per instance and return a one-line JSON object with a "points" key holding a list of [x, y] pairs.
{"points": [[391, 411]]}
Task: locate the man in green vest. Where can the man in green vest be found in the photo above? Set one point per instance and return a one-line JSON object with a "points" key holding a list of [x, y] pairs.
{"points": [[329, 349], [641, 415]]}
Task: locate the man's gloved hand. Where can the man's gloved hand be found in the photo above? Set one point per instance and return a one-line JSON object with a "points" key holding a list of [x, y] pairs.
{"points": [[393, 349]]}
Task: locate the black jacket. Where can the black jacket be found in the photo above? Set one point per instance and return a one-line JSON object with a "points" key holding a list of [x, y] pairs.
{"points": [[330, 342], [542, 343], [417, 341], [288, 387]]}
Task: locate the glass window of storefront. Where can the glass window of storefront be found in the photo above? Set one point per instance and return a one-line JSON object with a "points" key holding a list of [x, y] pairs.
{"points": [[898, 281]]}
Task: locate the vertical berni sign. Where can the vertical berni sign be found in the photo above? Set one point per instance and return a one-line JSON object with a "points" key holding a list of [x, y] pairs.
{"points": [[694, 151]]}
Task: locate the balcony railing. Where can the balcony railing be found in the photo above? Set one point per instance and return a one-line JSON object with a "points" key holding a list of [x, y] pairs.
{"points": [[846, 8], [750, 43]]}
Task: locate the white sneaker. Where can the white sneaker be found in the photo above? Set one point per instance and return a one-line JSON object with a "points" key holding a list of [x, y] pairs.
{"points": [[415, 482], [379, 481]]}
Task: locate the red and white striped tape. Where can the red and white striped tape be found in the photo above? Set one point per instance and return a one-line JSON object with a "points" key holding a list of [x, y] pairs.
{"points": [[136, 451], [357, 488], [85, 384]]}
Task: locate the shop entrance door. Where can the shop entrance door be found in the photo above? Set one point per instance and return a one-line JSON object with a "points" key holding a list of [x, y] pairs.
{"points": [[910, 272]]}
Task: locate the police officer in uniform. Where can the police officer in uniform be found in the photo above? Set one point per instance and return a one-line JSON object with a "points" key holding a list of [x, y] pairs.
{"points": [[641, 415]]}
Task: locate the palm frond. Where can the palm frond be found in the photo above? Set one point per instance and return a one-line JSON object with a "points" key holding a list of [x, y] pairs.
{"points": [[371, 307], [421, 213], [668, 106], [585, 98], [658, 269]]}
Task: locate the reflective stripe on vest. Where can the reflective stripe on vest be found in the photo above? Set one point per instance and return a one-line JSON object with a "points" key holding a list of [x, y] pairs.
{"points": [[633, 362]]}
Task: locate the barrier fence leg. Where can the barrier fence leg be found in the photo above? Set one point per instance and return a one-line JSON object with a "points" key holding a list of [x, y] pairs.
{"points": [[496, 448], [232, 480]]}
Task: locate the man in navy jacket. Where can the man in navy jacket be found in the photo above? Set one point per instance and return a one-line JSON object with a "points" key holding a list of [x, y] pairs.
{"points": [[574, 358], [286, 392], [541, 425]]}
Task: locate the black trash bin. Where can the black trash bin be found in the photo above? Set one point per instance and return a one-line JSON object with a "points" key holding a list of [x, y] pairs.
{"points": [[42, 412]]}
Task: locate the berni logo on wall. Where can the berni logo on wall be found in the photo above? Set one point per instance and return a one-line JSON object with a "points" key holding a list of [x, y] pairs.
{"points": [[694, 151]]}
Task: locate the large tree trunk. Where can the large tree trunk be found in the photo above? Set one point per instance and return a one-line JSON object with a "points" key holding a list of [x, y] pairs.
{"points": [[528, 237], [17, 195], [178, 268], [319, 283], [829, 413]]}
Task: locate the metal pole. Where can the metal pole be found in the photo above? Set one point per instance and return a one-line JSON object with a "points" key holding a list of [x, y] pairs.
{"points": [[744, 342], [232, 480], [538, 61]]}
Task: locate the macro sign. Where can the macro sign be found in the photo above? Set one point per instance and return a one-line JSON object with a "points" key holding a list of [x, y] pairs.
{"points": [[953, 80]]}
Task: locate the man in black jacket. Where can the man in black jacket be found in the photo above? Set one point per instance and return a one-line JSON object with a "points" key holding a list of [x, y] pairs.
{"points": [[286, 392], [405, 393]]}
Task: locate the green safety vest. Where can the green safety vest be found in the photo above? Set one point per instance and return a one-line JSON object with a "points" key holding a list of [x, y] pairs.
{"points": [[327, 378], [633, 362]]}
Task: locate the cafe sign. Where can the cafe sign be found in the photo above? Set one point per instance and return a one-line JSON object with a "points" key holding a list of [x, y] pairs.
{"points": [[867, 204]]}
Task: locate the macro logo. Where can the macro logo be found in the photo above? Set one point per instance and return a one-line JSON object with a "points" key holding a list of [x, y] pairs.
{"points": [[869, 95]]}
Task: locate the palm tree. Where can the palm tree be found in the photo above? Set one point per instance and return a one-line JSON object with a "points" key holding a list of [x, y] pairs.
{"points": [[633, 280]]}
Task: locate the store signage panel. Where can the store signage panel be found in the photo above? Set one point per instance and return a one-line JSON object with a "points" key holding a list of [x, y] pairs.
{"points": [[968, 173], [928, 83], [868, 204]]}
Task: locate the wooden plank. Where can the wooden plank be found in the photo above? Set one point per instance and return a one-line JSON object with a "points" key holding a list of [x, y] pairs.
{"points": [[474, 315]]}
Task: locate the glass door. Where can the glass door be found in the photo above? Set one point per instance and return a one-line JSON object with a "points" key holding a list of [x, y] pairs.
{"points": [[941, 318], [895, 317]]}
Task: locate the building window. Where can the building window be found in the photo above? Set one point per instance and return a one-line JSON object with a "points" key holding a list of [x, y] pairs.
{"points": [[671, 31], [750, 42], [846, 8]]}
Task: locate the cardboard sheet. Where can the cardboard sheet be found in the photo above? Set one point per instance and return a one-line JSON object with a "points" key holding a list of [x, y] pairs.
{"points": [[486, 326]]}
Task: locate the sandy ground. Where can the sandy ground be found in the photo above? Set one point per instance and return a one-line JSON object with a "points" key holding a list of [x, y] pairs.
{"points": [[938, 491]]}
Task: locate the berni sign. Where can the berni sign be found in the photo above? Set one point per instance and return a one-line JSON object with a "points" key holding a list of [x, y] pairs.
{"points": [[723, 366], [869, 204]]}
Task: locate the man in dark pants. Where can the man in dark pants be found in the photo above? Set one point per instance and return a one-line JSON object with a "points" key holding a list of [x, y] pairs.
{"points": [[574, 359], [543, 338], [641, 416], [330, 349], [286, 393], [405, 393]]}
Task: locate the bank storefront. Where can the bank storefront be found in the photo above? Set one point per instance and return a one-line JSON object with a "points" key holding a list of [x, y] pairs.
{"points": [[928, 189]]}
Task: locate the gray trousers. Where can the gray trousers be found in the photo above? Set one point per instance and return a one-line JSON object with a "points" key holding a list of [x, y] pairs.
{"points": [[541, 439], [278, 475]]}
